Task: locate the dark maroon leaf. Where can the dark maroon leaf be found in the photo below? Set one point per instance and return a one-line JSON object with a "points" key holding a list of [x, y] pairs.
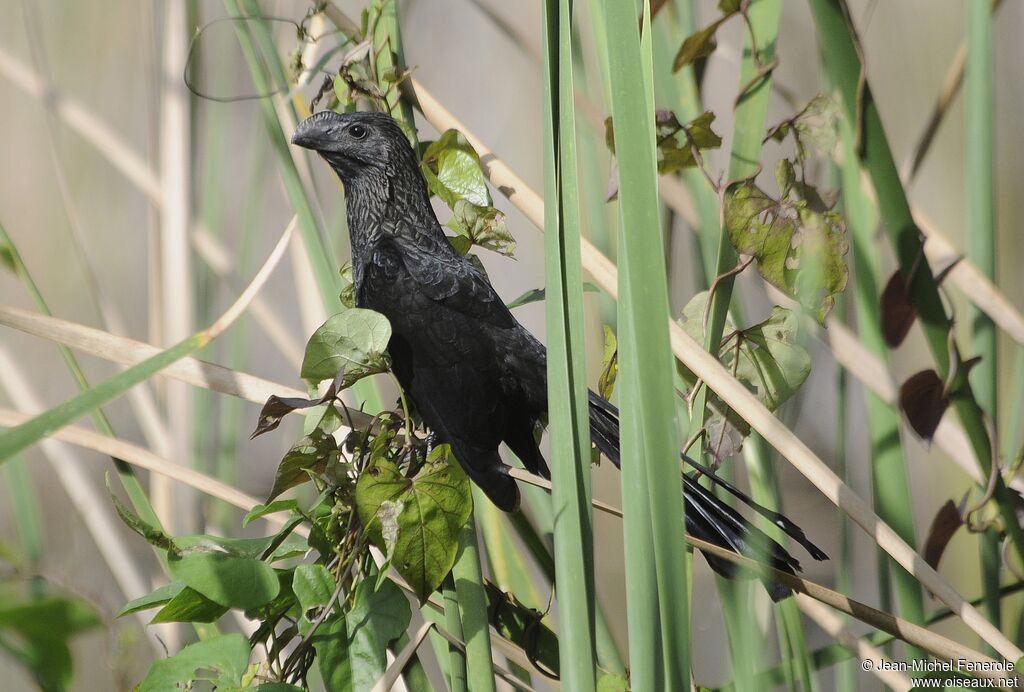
{"points": [[945, 524], [277, 408], [898, 313], [923, 399]]}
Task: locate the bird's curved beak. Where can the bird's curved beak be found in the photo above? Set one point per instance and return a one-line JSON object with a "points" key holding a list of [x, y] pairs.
{"points": [[312, 132]]}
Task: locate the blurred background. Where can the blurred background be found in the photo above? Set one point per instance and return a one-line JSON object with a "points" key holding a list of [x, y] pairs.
{"points": [[105, 254]]}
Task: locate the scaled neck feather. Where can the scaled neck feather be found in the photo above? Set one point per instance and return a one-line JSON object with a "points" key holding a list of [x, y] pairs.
{"points": [[391, 201]]}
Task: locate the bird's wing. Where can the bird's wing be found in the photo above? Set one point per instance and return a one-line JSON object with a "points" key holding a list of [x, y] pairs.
{"points": [[451, 280]]}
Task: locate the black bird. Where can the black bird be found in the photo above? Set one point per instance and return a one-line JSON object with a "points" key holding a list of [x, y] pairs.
{"points": [[477, 377]]}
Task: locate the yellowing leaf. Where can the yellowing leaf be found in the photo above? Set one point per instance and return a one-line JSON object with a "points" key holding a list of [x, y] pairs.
{"points": [[483, 226], [610, 371], [770, 359], [799, 247], [816, 125], [766, 357], [676, 142], [435, 505]]}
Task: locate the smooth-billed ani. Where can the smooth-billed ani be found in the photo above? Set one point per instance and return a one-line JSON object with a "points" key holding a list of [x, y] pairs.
{"points": [[476, 376]]}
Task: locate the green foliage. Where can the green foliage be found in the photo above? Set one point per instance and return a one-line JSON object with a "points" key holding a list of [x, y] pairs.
{"points": [[188, 605], [153, 536], [233, 582], [452, 169], [37, 629], [348, 288], [769, 358], [347, 617], [766, 357], [260, 511], [525, 626], [309, 456], [610, 369], [453, 172], [7, 256], [221, 660], [374, 488], [352, 342], [697, 135], [214, 574], [535, 295], [352, 650], [532, 295], [483, 226], [612, 682], [158, 597], [798, 241], [656, 570], [313, 585], [416, 520]]}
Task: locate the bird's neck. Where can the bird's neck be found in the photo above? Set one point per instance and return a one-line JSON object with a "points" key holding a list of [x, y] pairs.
{"points": [[396, 204], [366, 204]]}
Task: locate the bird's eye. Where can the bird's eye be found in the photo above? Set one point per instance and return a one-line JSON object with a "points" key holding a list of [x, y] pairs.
{"points": [[357, 131]]}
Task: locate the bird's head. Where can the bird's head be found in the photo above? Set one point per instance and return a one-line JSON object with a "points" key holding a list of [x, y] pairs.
{"points": [[356, 144]]}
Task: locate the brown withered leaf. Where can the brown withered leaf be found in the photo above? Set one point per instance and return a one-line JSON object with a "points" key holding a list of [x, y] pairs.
{"points": [[678, 144], [944, 526], [276, 409], [923, 399], [898, 314]]}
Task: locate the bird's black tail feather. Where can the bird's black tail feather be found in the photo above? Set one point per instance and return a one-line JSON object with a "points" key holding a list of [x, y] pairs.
{"points": [[709, 518]]}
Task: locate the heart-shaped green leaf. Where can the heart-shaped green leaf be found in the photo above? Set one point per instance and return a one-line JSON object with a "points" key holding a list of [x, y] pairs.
{"points": [[354, 341], [435, 505]]}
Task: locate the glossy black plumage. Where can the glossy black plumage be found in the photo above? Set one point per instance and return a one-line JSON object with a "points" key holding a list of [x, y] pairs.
{"points": [[477, 377]]}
